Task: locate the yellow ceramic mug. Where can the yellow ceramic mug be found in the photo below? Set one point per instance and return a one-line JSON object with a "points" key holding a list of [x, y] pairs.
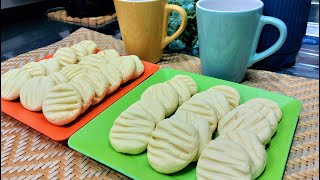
{"points": [[144, 24]]}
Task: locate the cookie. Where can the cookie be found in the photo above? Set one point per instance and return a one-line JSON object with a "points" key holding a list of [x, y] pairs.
{"points": [[85, 90], [139, 67], [132, 130], [251, 143], [164, 94], [34, 90], [269, 103], [217, 101], [89, 45], [172, 146], [224, 159], [182, 89], [251, 120], [65, 56], [62, 105], [154, 108], [97, 58], [127, 67], [52, 65], [113, 75], [100, 84], [109, 54], [72, 70], [59, 77], [230, 93], [12, 82], [35, 69], [79, 50], [190, 82]]}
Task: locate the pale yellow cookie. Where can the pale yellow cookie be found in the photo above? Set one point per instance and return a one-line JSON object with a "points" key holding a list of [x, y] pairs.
{"points": [[109, 54], [139, 67], [34, 90], [100, 84], [89, 45], [154, 108], [132, 130], [244, 118], [217, 101], [65, 56], [52, 65], [164, 94], [172, 146], [224, 159], [35, 69], [190, 82], [94, 57], [269, 103], [62, 105], [12, 82], [113, 75], [182, 89], [86, 91], [59, 77], [230, 93], [198, 108], [251, 143], [72, 70], [80, 50], [127, 67]]}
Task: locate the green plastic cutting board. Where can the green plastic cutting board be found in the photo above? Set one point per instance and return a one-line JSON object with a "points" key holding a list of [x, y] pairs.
{"points": [[93, 139]]}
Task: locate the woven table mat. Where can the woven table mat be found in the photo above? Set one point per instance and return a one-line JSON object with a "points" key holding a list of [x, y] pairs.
{"points": [[27, 154]]}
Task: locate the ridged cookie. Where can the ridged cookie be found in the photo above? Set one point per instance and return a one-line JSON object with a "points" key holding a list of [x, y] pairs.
{"points": [[126, 66], [52, 65], [154, 108], [34, 90], [269, 103], [97, 58], [59, 77], [172, 146], [113, 75], [190, 82], [132, 130], [241, 118], [85, 90], [109, 54], [164, 94], [35, 69], [62, 105], [230, 93], [139, 67], [80, 50], [89, 45], [251, 143], [182, 89], [72, 70], [65, 56], [224, 159], [12, 82], [100, 84]]}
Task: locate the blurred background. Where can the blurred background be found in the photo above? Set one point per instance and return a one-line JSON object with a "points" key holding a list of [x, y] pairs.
{"points": [[32, 24]]}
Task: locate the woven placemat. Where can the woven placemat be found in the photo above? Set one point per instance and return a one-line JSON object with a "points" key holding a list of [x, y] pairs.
{"points": [[27, 154]]}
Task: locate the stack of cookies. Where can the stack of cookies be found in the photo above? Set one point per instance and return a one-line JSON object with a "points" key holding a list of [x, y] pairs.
{"points": [[65, 86]]}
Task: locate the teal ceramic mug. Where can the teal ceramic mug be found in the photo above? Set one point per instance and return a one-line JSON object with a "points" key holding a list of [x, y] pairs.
{"points": [[228, 32]]}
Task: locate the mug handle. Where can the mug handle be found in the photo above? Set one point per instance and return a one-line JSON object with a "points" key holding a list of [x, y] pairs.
{"points": [[255, 57], [168, 9]]}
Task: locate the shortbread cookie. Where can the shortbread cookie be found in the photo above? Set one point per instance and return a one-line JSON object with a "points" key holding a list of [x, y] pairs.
{"points": [[59, 77], [251, 120], [217, 101], [127, 67], [100, 84], [230, 93], [139, 67], [12, 82], [65, 56], [132, 130], [113, 75], [109, 54], [251, 143], [190, 82], [269, 103], [172, 146], [52, 65], [182, 89], [197, 107], [94, 57], [35, 69], [224, 159], [264, 110], [85, 90], [156, 109], [80, 50], [164, 94], [34, 90], [203, 128], [89, 45], [62, 105], [72, 70]]}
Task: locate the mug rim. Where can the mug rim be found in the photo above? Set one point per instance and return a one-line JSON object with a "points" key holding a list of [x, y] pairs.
{"points": [[231, 12]]}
